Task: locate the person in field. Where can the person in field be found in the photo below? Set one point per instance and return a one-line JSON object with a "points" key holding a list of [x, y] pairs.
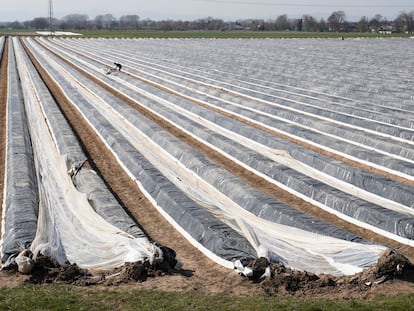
{"points": [[109, 70], [118, 66]]}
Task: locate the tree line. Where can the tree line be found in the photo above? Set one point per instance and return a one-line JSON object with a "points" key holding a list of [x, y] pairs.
{"points": [[336, 22]]}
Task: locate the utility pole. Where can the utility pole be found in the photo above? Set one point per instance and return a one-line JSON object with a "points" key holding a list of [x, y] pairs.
{"points": [[51, 17]]}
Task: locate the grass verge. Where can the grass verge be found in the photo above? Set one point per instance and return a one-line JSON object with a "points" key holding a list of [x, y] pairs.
{"points": [[64, 297]]}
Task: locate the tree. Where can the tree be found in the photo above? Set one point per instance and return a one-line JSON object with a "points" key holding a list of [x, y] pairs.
{"points": [[217, 24], [407, 19], [282, 22], [39, 23], [98, 22], [269, 25], [108, 21], [309, 23], [336, 21], [323, 27], [75, 21], [363, 24], [16, 25], [147, 24], [129, 21], [165, 25], [399, 25]]}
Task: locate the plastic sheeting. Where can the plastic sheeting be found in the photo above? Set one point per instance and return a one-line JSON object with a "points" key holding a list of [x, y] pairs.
{"points": [[62, 135], [347, 141], [217, 191], [104, 203], [320, 67], [2, 40], [305, 110], [85, 180], [290, 105], [286, 76], [381, 215], [68, 227], [337, 135], [20, 203], [184, 82], [245, 88], [292, 174], [206, 231]]}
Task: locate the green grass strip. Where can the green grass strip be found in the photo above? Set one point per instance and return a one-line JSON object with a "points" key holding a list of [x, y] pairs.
{"points": [[63, 297]]}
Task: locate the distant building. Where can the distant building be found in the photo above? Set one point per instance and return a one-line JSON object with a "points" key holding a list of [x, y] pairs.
{"points": [[387, 29]]}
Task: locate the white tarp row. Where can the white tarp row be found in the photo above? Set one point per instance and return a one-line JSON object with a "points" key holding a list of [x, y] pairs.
{"points": [[164, 83], [20, 199], [216, 190], [219, 83], [259, 91], [63, 137], [369, 182], [68, 227], [305, 104], [365, 115], [386, 120], [376, 212], [58, 33], [231, 61], [392, 157], [381, 151], [329, 66]]}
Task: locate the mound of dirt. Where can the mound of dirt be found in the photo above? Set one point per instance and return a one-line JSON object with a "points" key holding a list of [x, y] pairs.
{"points": [[393, 274], [46, 270], [391, 266]]}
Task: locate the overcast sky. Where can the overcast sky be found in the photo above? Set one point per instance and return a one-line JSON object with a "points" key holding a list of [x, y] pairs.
{"points": [[228, 10]]}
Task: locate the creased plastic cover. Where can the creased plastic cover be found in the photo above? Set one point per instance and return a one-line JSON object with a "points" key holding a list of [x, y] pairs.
{"points": [[68, 227], [171, 163]]}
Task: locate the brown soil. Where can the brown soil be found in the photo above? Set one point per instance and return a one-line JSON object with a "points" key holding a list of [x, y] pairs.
{"points": [[199, 273], [392, 275]]}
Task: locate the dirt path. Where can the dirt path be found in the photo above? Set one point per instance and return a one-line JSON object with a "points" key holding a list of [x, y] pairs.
{"points": [[201, 274]]}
